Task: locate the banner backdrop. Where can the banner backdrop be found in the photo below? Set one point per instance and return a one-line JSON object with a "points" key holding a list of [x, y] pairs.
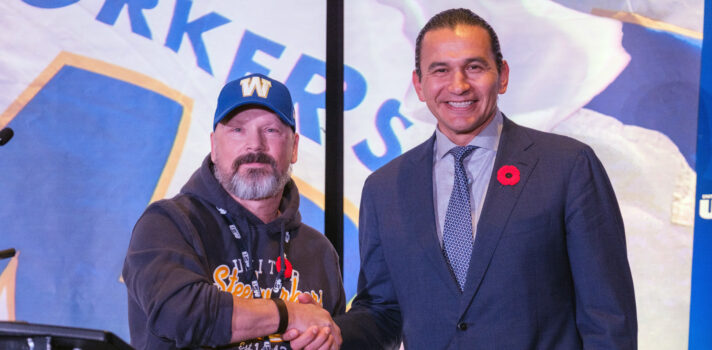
{"points": [[622, 81], [112, 102], [112, 105]]}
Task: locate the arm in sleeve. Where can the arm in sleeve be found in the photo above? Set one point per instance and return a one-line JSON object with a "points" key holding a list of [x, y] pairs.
{"points": [[374, 320], [168, 281], [340, 305], [595, 236]]}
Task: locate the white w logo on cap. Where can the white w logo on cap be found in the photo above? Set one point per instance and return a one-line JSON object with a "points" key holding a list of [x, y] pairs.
{"points": [[252, 84]]}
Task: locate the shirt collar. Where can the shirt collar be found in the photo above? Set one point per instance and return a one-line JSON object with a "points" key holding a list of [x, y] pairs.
{"points": [[487, 139]]}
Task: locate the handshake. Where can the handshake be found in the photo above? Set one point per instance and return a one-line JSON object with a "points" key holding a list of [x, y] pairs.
{"points": [[310, 326], [307, 325]]}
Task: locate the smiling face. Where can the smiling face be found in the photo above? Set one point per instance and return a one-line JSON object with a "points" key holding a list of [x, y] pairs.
{"points": [[252, 152], [460, 82]]}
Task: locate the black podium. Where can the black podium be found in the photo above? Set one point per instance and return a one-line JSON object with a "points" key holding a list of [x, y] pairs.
{"points": [[27, 336]]}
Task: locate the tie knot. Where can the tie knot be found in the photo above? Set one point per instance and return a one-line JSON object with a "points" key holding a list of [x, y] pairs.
{"points": [[460, 152]]}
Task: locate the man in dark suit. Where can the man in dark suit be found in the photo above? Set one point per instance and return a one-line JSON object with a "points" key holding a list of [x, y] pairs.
{"points": [[545, 266]]}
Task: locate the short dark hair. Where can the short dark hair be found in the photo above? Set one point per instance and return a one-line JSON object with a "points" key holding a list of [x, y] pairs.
{"points": [[450, 19]]}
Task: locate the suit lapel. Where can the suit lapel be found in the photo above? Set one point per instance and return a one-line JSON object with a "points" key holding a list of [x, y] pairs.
{"points": [[499, 203], [417, 181]]}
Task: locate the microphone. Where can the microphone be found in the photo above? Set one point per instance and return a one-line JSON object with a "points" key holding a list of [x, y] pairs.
{"points": [[5, 135], [7, 253]]}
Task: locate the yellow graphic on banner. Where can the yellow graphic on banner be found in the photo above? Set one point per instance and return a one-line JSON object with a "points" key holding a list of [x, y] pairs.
{"points": [[646, 22]]}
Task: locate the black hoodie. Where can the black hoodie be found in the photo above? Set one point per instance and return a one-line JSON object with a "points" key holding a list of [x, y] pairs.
{"points": [[183, 264]]}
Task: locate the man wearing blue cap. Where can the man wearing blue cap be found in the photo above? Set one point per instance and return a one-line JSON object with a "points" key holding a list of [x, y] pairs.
{"points": [[227, 262]]}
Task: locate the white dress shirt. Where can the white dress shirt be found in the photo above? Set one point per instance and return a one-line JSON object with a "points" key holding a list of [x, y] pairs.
{"points": [[478, 167]]}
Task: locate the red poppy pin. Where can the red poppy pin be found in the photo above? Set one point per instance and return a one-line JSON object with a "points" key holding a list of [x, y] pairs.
{"points": [[288, 270], [508, 175]]}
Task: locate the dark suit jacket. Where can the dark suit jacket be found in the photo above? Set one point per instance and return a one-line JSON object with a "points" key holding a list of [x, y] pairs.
{"points": [[549, 268]]}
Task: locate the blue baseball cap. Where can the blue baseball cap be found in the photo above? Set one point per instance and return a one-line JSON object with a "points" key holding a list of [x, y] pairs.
{"points": [[255, 89]]}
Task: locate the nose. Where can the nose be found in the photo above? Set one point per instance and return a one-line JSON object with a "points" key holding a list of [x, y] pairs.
{"points": [[458, 83], [255, 141]]}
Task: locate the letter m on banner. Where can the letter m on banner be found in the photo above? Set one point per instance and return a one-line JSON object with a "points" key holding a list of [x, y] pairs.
{"points": [[252, 84]]}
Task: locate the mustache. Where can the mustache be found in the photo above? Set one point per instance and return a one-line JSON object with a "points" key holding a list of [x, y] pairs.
{"points": [[258, 157]]}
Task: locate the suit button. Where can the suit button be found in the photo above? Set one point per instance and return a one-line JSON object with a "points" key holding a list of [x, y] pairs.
{"points": [[462, 326]]}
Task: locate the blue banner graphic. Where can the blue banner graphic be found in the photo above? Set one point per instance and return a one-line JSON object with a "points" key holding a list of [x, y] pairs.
{"points": [[700, 301], [78, 150]]}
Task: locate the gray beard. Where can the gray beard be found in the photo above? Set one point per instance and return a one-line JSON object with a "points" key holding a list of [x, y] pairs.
{"points": [[256, 184]]}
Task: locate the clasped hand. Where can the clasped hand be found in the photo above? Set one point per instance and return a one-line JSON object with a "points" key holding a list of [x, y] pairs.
{"points": [[311, 327]]}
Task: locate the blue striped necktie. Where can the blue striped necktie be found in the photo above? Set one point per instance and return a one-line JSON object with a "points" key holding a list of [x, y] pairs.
{"points": [[457, 232]]}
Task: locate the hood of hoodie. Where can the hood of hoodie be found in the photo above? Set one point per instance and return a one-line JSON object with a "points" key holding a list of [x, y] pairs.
{"points": [[204, 185]]}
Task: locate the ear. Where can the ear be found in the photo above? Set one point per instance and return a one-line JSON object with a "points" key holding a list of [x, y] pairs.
{"points": [[504, 77], [418, 88], [295, 148]]}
